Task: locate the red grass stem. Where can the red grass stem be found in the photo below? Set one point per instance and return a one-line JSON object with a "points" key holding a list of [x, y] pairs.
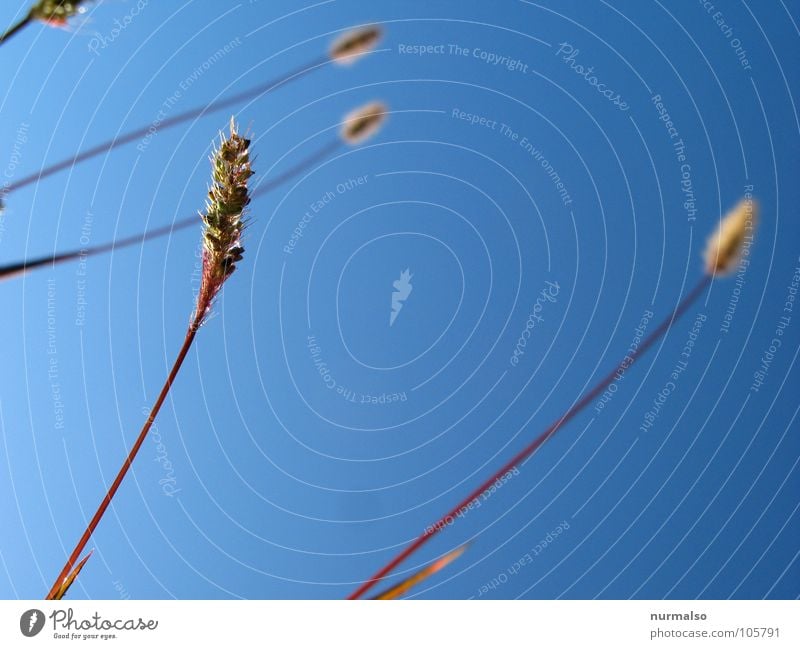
{"points": [[8, 271], [526, 452], [187, 343], [21, 267], [226, 202], [180, 118]]}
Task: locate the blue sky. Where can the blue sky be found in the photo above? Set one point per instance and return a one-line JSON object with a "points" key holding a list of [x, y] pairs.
{"points": [[307, 439]]}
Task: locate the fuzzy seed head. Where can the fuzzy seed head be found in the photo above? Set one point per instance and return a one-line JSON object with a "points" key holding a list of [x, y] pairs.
{"points": [[352, 45], [56, 12], [724, 248], [223, 219], [364, 122]]}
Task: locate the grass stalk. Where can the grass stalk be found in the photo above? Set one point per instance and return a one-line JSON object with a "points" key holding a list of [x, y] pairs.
{"points": [[526, 452], [401, 588], [361, 42], [355, 120], [112, 490], [19, 268], [723, 252], [16, 28], [223, 221]]}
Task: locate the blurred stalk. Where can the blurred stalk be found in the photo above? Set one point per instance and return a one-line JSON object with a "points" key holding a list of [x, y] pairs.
{"points": [[15, 29], [526, 452]]}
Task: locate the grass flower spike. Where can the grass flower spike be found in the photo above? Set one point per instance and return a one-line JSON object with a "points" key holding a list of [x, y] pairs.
{"points": [[223, 224], [224, 217], [50, 12], [364, 122], [345, 50], [57, 12], [19, 268], [352, 45], [724, 249]]}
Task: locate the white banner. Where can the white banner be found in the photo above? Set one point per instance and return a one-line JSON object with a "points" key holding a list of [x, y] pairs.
{"points": [[401, 624]]}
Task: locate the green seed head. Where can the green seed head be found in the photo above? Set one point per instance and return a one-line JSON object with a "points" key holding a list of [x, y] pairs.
{"points": [[56, 11], [223, 219]]}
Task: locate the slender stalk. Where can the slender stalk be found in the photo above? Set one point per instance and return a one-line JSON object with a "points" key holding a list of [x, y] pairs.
{"points": [[16, 28], [398, 590], [187, 343], [180, 118], [223, 222], [526, 452], [18, 268], [306, 163], [351, 47], [21, 267], [70, 579]]}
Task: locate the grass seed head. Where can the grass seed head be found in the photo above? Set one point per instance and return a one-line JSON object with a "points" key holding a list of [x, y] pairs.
{"points": [[223, 219], [57, 12], [364, 122], [724, 247], [352, 45]]}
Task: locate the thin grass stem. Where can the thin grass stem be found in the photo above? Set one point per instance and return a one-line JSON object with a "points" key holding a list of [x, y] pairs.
{"points": [[131, 136], [526, 452], [15, 29], [19, 268], [101, 510], [223, 221]]}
